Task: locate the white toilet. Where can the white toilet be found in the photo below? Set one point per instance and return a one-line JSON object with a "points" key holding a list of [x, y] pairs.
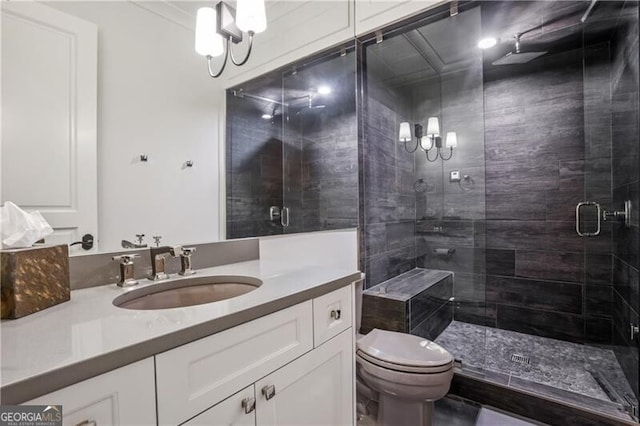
{"points": [[408, 373]]}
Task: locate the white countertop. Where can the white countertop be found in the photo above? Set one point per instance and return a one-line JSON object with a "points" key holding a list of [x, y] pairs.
{"points": [[52, 345]]}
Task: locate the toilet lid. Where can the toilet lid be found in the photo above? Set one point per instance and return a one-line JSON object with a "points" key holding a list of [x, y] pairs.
{"points": [[403, 349]]}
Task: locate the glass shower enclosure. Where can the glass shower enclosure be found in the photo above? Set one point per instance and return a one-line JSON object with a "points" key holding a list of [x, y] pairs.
{"points": [[533, 208], [291, 154]]}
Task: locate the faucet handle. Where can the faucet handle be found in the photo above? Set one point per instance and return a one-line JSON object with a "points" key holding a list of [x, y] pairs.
{"points": [[157, 239], [125, 258], [185, 261], [188, 251], [126, 269], [140, 238]]}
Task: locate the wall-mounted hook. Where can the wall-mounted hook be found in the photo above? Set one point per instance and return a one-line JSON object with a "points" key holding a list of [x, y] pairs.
{"points": [[188, 163], [144, 158]]}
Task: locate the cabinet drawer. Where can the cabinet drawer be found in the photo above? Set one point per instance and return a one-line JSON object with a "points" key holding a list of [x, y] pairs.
{"points": [[125, 396], [198, 375], [231, 411], [331, 314]]}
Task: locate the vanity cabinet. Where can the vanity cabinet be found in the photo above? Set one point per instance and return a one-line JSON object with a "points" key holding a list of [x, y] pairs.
{"points": [[193, 377], [125, 396], [315, 389], [292, 367], [295, 381]]}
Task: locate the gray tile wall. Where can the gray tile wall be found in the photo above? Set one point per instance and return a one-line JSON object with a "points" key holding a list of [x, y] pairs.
{"points": [[625, 124], [451, 215], [328, 171], [388, 174], [537, 169], [254, 162]]}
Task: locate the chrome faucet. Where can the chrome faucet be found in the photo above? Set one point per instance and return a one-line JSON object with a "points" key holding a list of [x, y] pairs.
{"points": [[158, 256]]}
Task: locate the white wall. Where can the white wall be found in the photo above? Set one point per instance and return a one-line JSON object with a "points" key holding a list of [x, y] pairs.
{"points": [[154, 97], [338, 249]]}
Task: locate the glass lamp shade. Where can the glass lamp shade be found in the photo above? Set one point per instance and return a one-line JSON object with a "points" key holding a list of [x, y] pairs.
{"points": [[451, 140], [405, 132], [251, 16], [208, 41], [433, 126], [426, 143]]}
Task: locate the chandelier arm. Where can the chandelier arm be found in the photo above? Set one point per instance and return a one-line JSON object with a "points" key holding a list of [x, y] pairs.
{"points": [[414, 148], [246, 58], [450, 155], [434, 159], [224, 63]]}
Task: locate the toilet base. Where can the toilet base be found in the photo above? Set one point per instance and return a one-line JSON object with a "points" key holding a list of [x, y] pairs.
{"points": [[393, 411]]}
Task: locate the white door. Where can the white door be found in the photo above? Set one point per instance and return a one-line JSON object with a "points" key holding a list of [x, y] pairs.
{"points": [[49, 102], [237, 410], [315, 389]]}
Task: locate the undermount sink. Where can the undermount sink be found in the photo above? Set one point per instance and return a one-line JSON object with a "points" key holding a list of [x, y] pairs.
{"points": [[187, 292]]}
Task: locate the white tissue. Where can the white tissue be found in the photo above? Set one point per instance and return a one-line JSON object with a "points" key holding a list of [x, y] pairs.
{"points": [[19, 228]]}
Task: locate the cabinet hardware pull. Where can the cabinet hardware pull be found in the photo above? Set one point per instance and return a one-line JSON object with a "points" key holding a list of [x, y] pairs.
{"points": [[249, 404], [269, 391], [87, 423], [336, 314]]}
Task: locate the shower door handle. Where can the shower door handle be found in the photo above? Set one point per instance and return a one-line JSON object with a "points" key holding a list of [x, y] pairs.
{"points": [[579, 208], [284, 221]]}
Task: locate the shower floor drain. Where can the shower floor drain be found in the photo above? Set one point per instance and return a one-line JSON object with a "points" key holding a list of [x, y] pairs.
{"points": [[520, 359]]}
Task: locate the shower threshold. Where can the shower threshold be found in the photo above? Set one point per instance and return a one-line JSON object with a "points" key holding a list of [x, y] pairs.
{"points": [[576, 374]]}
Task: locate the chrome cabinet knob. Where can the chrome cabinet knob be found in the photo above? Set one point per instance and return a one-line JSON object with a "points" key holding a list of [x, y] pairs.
{"points": [[336, 314], [269, 391], [249, 405]]}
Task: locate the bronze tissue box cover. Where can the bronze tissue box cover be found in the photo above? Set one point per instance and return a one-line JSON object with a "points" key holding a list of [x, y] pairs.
{"points": [[33, 279]]}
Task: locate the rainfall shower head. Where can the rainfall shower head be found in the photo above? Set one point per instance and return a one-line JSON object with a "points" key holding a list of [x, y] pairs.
{"points": [[516, 56]]}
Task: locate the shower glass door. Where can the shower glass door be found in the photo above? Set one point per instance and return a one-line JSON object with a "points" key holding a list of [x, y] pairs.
{"points": [[612, 147], [320, 144]]}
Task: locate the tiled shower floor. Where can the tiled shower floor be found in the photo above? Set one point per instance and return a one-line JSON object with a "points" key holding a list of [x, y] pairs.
{"points": [[588, 371]]}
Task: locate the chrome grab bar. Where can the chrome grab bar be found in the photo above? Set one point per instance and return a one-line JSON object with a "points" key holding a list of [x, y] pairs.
{"points": [[599, 214]]}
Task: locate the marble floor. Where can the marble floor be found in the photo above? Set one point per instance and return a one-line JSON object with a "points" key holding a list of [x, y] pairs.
{"points": [[592, 373]]}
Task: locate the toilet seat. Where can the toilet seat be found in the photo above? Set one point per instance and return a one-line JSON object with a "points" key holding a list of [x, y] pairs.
{"points": [[403, 352]]}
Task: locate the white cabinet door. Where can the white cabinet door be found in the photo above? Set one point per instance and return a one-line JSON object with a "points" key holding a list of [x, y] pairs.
{"points": [[315, 389], [371, 15], [237, 410], [49, 101], [125, 396]]}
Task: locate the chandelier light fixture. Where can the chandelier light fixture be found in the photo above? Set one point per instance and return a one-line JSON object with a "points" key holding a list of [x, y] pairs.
{"points": [[217, 28], [429, 141]]}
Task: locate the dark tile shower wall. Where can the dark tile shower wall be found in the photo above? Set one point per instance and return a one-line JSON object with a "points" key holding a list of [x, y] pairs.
{"points": [[388, 174], [328, 170], [535, 175], [625, 153], [451, 215], [254, 169]]}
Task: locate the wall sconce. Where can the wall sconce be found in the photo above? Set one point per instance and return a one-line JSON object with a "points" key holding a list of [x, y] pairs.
{"points": [[216, 28], [429, 141]]}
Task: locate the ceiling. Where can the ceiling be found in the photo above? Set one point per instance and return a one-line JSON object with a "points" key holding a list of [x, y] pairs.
{"points": [[450, 44]]}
